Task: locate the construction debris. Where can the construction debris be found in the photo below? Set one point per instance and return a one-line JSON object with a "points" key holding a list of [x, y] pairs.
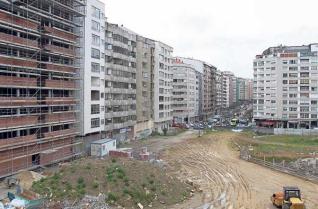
{"points": [[26, 178], [88, 202]]}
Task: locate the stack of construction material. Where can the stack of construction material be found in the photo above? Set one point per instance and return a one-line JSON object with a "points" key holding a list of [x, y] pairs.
{"points": [[144, 154], [125, 152]]}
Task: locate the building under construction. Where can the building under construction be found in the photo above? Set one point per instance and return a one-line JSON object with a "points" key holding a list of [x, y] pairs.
{"points": [[39, 65]]}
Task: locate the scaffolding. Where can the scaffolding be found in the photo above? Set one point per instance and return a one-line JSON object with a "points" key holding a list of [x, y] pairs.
{"points": [[39, 44]]}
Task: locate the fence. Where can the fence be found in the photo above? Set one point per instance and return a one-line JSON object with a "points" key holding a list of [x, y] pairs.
{"points": [[302, 168], [290, 131]]}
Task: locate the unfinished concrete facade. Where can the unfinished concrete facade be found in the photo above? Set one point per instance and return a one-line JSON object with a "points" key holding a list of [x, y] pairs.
{"points": [[39, 47], [145, 67]]}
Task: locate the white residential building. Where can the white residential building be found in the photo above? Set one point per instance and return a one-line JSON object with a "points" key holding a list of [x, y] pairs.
{"points": [[184, 92], [93, 67], [162, 86], [286, 87]]}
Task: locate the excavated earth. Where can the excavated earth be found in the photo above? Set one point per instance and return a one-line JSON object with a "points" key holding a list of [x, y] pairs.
{"points": [[223, 180]]}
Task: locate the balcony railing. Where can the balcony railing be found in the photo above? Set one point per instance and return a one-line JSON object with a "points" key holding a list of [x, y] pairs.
{"points": [[18, 40], [18, 62], [17, 101], [61, 34], [57, 67], [60, 50], [17, 81], [11, 122], [60, 101], [14, 20], [60, 84]]}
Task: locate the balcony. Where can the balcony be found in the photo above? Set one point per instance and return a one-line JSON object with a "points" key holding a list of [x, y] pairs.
{"points": [[18, 40], [61, 133], [11, 122], [17, 140], [60, 101], [62, 84], [17, 81], [59, 68], [9, 61], [33, 138], [18, 21], [60, 50], [14, 122], [59, 117], [60, 34], [17, 101]]}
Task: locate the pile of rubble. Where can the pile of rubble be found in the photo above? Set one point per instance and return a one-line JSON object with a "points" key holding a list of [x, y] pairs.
{"points": [[88, 202]]}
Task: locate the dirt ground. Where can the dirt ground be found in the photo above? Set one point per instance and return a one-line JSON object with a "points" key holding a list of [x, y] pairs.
{"points": [[226, 181]]}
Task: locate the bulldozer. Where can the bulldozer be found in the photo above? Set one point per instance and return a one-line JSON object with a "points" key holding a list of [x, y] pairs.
{"points": [[289, 198]]}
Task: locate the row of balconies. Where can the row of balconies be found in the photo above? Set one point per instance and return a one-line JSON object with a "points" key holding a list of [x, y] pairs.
{"points": [[24, 23], [18, 62], [18, 40], [120, 79], [19, 21], [33, 120], [60, 50], [14, 81], [120, 91], [32, 101], [60, 34], [120, 102], [120, 114], [123, 125], [4, 143]]}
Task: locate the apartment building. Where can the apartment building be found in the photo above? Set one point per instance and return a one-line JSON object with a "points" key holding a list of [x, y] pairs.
{"points": [[285, 87], [206, 86], [39, 61], [219, 90], [209, 90], [92, 82], [184, 92], [232, 96], [162, 86], [120, 82], [145, 70], [249, 90]]}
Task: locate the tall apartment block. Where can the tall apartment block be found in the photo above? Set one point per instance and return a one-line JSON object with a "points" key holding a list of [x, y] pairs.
{"points": [[230, 77], [145, 70], [219, 91], [286, 87], [39, 64], [184, 92], [120, 82], [92, 76], [162, 86], [209, 90]]}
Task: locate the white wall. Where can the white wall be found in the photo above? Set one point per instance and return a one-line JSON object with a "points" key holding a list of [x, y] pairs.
{"points": [[87, 75]]}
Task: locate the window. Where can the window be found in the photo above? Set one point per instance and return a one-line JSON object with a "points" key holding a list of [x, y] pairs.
{"points": [[95, 67], [95, 109], [95, 26], [95, 122], [95, 40], [96, 12], [95, 53]]}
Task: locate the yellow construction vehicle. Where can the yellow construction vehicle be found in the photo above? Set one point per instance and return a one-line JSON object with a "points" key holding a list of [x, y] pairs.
{"points": [[290, 198]]}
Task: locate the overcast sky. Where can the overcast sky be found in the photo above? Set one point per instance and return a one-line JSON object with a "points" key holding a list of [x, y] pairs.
{"points": [[225, 33]]}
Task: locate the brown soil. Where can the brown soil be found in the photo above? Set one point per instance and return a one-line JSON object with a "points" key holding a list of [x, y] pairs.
{"points": [[226, 181]]}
